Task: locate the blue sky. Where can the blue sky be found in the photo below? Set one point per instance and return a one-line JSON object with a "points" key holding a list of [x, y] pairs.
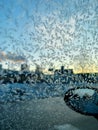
{"points": [[50, 33]]}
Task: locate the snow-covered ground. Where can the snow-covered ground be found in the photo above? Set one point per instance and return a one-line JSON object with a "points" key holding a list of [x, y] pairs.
{"points": [[22, 92]]}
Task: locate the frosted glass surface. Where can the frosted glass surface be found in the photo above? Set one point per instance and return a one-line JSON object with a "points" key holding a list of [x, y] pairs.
{"points": [[46, 48]]}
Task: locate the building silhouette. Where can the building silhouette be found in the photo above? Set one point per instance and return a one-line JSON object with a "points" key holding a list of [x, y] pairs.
{"points": [[0, 66], [24, 67], [62, 69]]}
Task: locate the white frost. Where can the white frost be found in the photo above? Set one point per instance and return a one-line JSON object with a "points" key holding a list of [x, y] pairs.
{"points": [[65, 127], [82, 92]]}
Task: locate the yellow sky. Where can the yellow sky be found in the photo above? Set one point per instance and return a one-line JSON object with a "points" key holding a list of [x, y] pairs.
{"points": [[76, 69], [87, 69]]}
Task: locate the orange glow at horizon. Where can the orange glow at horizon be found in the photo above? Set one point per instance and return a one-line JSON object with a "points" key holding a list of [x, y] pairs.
{"points": [[87, 69], [76, 69]]}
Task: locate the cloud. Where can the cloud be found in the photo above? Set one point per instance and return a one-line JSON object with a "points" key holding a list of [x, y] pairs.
{"points": [[2, 55], [12, 57], [15, 58]]}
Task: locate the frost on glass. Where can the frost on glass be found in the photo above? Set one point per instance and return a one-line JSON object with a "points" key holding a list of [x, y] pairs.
{"points": [[48, 42], [47, 47]]}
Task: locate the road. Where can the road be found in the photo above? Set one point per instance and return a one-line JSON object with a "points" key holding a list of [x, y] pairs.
{"points": [[43, 114]]}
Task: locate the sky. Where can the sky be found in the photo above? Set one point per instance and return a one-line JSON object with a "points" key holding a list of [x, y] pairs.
{"points": [[49, 33]]}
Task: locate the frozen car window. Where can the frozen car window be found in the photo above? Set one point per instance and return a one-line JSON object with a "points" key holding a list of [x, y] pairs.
{"points": [[47, 47]]}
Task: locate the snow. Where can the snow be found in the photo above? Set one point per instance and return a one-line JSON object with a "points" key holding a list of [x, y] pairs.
{"points": [[65, 127], [82, 92], [21, 92]]}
